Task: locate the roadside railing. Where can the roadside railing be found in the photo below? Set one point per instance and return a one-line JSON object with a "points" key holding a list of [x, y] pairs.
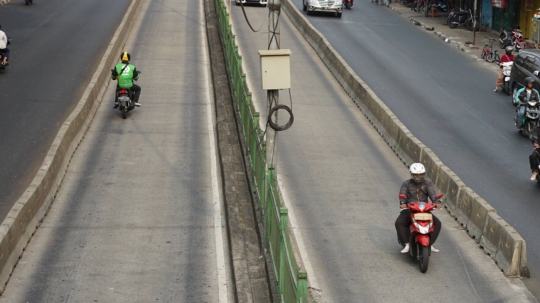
{"points": [[291, 278]]}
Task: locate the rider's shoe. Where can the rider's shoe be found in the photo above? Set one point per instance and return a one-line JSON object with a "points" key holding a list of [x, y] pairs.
{"points": [[405, 249], [433, 249], [534, 174], [137, 104]]}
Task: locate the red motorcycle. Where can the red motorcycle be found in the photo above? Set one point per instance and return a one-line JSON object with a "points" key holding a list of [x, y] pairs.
{"points": [[348, 3], [420, 230]]}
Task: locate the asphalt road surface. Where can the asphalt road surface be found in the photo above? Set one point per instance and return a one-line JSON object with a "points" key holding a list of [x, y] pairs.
{"points": [[341, 180], [138, 216], [447, 101], [56, 47]]}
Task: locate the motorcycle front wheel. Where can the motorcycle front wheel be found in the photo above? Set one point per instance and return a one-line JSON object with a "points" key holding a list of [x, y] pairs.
{"points": [[423, 258], [453, 23]]}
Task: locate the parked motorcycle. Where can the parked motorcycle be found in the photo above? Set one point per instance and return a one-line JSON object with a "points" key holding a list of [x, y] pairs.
{"points": [[421, 6], [463, 18], [453, 13], [507, 37], [420, 231], [519, 42], [2, 67], [348, 3], [532, 113], [507, 69]]}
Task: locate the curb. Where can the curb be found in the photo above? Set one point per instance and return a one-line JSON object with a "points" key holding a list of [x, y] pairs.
{"points": [[26, 215], [459, 45]]}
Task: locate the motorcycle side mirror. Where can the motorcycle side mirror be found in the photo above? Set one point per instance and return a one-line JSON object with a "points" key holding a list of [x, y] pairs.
{"points": [[438, 196], [402, 196], [536, 73]]}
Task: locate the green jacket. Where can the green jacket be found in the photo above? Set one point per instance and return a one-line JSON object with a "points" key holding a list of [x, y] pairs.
{"points": [[125, 75]]}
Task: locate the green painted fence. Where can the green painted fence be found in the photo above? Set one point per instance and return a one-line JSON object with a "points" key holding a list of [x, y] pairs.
{"points": [[292, 280]]}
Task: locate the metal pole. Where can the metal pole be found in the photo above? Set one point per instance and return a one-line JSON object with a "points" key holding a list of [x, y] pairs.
{"points": [[274, 7], [474, 23]]}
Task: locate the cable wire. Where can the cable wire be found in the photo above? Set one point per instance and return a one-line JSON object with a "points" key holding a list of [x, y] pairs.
{"points": [[247, 19]]}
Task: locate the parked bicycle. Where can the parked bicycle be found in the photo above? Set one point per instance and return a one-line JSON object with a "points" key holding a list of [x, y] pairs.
{"points": [[489, 53]]}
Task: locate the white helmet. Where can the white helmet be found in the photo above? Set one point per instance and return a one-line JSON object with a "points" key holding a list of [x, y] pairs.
{"points": [[418, 171], [417, 168]]}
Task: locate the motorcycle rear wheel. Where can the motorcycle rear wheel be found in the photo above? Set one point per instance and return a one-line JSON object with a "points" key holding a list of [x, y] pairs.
{"points": [[423, 258], [469, 25], [124, 112]]}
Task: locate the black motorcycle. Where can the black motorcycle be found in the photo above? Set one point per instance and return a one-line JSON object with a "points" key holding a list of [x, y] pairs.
{"points": [[532, 113], [452, 14], [462, 17]]}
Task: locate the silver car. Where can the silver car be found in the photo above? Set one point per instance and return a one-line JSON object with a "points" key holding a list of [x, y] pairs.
{"points": [[260, 2], [330, 6]]}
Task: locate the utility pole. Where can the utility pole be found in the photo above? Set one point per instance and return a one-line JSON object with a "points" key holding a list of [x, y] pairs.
{"points": [[274, 7]]}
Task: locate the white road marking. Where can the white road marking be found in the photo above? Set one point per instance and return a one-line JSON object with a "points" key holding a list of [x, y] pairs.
{"points": [[218, 226]]}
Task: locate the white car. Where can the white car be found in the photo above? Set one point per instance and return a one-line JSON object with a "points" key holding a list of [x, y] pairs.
{"points": [[335, 6], [260, 2]]}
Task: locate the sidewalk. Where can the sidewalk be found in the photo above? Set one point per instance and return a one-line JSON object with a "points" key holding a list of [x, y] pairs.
{"points": [[459, 37]]}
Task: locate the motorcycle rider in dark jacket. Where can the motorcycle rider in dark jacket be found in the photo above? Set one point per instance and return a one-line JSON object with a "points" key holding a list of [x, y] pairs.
{"points": [[417, 189], [525, 95]]}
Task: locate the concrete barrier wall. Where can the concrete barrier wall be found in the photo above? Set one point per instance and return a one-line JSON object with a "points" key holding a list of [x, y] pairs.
{"points": [[28, 212], [482, 223]]}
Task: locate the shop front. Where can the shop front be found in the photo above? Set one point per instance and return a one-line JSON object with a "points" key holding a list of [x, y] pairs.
{"points": [[506, 14]]}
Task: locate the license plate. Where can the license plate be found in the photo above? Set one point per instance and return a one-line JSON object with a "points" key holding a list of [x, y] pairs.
{"points": [[423, 217]]}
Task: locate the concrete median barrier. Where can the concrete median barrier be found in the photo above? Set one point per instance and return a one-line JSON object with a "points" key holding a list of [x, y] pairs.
{"points": [[461, 202], [431, 163], [27, 213], [477, 221], [450, 185], [511, 255], [492, 233], [503, 243], [464, 204]]}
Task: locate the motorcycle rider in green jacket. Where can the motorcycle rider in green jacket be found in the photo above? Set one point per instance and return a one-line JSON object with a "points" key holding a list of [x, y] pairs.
{"points": [[126, 73], [523, 96]]}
